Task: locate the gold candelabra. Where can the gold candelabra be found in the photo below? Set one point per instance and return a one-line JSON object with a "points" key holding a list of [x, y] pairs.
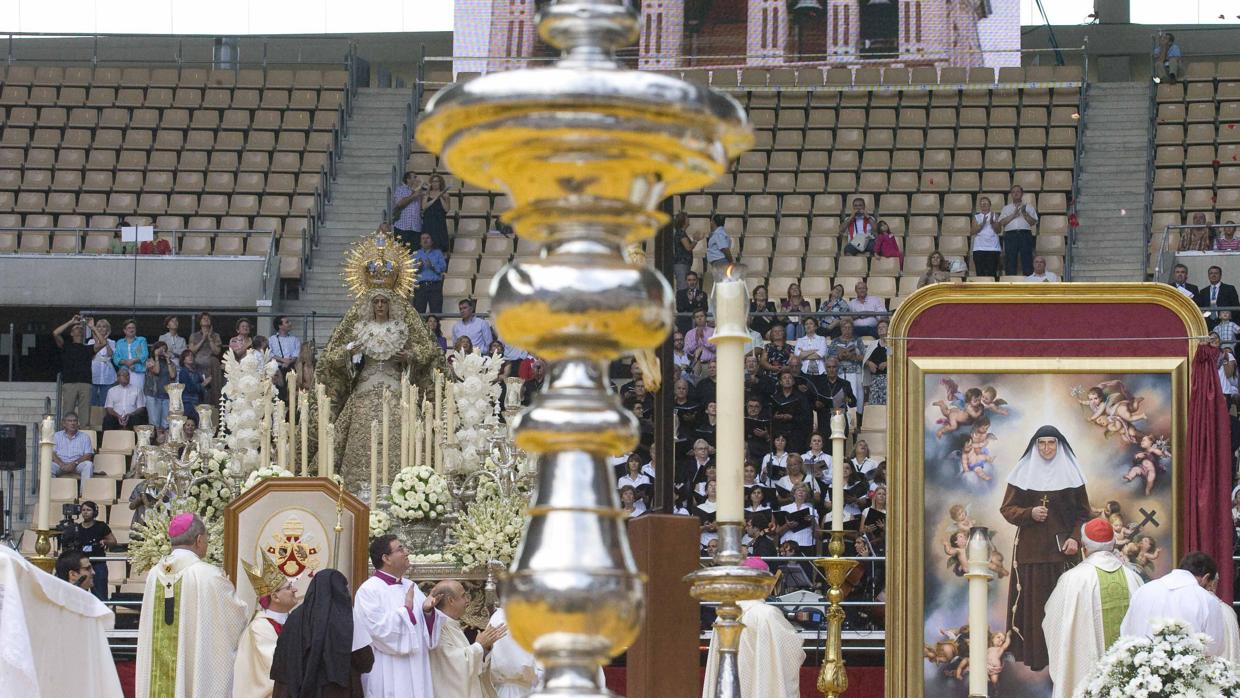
{"points": [[832, 678], [43, 558]]}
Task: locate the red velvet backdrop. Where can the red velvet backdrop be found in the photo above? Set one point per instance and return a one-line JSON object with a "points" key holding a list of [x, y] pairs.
{"points": [[1207, 516]]}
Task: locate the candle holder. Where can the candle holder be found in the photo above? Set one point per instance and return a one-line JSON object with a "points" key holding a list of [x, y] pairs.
{"points": [[977, 551], [832, 678], [176, 428], [42, 558], [144, 435], [175, 404], [728, 583]]}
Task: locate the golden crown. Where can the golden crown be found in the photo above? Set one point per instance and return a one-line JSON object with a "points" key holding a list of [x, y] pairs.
{"points": [[379, 261], [266, 580]]}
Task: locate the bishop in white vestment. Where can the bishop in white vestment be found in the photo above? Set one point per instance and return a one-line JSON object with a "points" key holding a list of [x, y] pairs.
{"points": [[1084, 612], [457, 665], [402, 624], [191, 619], [1181, 594], [276, 598], [770, 656], [512, 671]]}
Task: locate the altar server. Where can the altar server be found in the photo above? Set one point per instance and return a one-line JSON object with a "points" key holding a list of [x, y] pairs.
{"points": [[191, 619], [1084, 612], [1181, 595], [457, 665], [276, 598], [512, 671], [401, 622], [770, 656]]}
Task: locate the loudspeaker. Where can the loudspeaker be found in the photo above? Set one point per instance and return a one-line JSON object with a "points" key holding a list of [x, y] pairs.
{"points": [[12, 447]]}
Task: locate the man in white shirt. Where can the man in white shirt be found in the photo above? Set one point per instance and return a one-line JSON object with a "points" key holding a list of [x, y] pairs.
{"points": [[1017, 219], [71, 450], [125, 405], [472, 326], [1181, 595], [866, 325], [718, 249], [858, 230], [284, 345], [1040, 273]]}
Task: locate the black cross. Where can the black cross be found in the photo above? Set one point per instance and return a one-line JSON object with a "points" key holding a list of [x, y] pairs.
{"points": [[1149, 519]]}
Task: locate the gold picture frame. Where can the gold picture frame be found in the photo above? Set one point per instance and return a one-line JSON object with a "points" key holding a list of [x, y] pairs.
{"points": [[905, 670]]}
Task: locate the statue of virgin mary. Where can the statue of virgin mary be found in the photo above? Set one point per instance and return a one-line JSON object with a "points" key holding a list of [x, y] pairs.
{"points": [[369, 351]]}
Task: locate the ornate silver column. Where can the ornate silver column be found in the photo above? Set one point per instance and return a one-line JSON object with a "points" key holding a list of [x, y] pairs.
{"points": [[587, 151]]}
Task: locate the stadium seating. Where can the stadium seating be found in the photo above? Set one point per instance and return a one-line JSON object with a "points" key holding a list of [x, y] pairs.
{"points": [[184, 149], [922, 145]]}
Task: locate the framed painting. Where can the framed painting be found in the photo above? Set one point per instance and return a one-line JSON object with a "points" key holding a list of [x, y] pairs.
{"points": [[1031, 447]]}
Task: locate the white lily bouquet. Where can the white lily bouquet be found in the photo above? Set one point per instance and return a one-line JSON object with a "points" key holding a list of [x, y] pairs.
{"points": [[380, 523], [210, 492], [490, 529], [475, 391], [262, 474], [1172, 661], [419, 494]]}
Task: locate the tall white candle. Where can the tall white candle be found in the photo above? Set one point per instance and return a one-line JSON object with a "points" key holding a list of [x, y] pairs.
{"points": [[387, 409], [331, 449], [428, 428], [839, 471], [978, 554], [47, 428], [404, 427], [305, 433], [731, 335], [320, 401], [264, 444], [416, 437], [374, 461], [283, 439], [328, 465], [290, 386]]}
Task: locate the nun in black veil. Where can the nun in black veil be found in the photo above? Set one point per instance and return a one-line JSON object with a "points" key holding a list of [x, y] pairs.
{"points": [[321, 654]]}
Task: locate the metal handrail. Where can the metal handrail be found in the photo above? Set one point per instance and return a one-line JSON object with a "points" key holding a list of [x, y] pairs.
{"points": [[1079, 150], [1150, 151]]}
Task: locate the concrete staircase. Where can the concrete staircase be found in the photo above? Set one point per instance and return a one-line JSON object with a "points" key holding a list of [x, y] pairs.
{"points": [[362, 178], [1110, 240], [23, 403]]}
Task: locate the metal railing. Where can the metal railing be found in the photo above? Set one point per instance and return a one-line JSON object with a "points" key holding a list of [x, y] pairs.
{"points": [[1166, 255], [1078, 151], [99, 42]]}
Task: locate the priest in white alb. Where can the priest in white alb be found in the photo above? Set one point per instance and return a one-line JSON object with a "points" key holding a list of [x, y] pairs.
{"points": [[276, 598], [191, 620], [512, 671], [770, 656], [1084, 612], [402, 624], [458, 666], [1181, 595]]}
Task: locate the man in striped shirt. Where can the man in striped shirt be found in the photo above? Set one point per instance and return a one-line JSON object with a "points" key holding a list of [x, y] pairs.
{"points": [[1227, 240]]}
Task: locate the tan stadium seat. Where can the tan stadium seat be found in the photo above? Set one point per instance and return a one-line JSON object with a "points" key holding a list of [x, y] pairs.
{"points": [[34, 242]]}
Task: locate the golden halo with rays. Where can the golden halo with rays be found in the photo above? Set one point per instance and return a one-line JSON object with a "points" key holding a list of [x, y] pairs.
{"points": [[379, 261]]}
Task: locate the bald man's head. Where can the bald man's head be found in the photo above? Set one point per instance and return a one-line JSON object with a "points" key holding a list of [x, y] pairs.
{"points": [[452, 598]]}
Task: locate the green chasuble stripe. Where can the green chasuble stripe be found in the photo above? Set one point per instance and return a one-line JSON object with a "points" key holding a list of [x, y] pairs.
{"points": [[164, 642], [1113, 591]]}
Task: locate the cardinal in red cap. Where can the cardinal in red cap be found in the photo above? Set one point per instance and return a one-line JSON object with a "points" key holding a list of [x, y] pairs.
{"points": [[1084, 612]]}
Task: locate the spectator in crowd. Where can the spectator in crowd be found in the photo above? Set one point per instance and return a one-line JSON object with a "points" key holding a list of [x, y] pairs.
{"points": [[245, 330], [761, 304], [719, 254], [633, 475], [434, 327], [471, 326], [886, 245], [706, 386], [692, 472], [172, 337], [125, 405], [874, 519], [1040, 273], [857, 230], [775, 462], [689, 300], [937, 271], [1167, 63], [75, 366], [428, 295], [816, 460], [75, 568], [836, 386], [305, 366], [1199, 237], [862, 461], [793, 306], [794, 477], [833, 309], [1017, 219], [207, 347], [1228, 379], [407, 209], [464, 345], [91, 537], [756, 380], [687, 409], [189, 376], [238, 347], [683, 243], [435, 206], [131, 353], [1216, 295], [71, 450], [791, 412], [777, 351], [866, 309], [1226, 330], [800, 531], [986, 246], [1179, 279], [285, 346], [1227, 240], [680, 358], [848, 350], [102, 371], [875, 376], [697, 346], [811, 348], [160, 371]]}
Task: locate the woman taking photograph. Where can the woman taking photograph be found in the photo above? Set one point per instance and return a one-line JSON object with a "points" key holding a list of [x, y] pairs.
{"points": [[195, 385], [160, 371], [207, 347]]}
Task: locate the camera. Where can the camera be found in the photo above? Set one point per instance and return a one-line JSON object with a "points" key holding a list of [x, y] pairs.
{"points": [[68, 511]]}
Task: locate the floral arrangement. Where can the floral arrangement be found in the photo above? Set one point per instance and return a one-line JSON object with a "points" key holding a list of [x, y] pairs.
{"points": [[419, 494], [380, 523], [1172, 661], [490, 529], [429, 559], [247, 385], [148, 541], [209, 492], [262, 474], [160, 246], [475, 392]]}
